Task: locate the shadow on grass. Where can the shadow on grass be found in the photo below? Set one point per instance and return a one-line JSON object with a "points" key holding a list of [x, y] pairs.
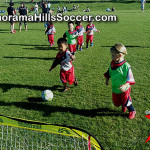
{"points": [[36, 47], [5, 87], [29, 58], [131, 46], [26, 45], [48, 110], [42, 48]]}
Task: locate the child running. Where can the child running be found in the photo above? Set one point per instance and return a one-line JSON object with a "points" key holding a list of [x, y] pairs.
{"points": [[65, 58], [121, 78], [50, 33], [80, 30], [71, 35], [90, 34]]}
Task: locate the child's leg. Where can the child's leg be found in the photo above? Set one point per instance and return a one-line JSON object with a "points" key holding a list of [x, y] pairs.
{"points": [[81, 47], [87, 41], [91, 40], [20, 26], [25, 23]]}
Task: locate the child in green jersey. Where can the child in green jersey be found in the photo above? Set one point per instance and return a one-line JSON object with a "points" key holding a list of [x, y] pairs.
{"points": [[121, 78], [71, 36]]}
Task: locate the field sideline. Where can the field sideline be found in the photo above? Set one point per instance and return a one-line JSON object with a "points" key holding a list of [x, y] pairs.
{"points": [[26, 57]]}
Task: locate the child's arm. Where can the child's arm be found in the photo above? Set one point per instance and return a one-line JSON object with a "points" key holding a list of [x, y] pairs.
{"points": [[65, 36], [55, 63], [130, 81], [107, 76], [46, 30], [96, 30]]}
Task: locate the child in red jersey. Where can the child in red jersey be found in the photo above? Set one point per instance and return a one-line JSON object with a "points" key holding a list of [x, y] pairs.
{"points": [[71, 36], [80, 30], [50, 33], [89, 36], [65, 58]]}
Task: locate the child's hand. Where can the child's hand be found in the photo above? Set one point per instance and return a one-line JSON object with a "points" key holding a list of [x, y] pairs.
{"points": [[124, 87], [106, 82], [98, 31], [72, 58]]}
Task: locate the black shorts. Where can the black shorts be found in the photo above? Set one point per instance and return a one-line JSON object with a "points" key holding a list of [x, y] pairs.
{"points": [[11, 21], [25, 23]]}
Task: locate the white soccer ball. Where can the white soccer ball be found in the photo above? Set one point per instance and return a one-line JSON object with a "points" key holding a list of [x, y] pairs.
{"points": [[47, 95]]}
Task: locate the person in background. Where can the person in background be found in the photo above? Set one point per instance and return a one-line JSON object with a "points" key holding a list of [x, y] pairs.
{"points": [[23, 12], [143, 4], [36, 8], [11, 12]]}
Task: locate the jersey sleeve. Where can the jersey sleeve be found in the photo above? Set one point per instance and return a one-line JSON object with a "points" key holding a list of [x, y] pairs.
{"points": [[55, 63], [107, 75], [94, 29], [54, 30], [65, 35], [130, 78]]}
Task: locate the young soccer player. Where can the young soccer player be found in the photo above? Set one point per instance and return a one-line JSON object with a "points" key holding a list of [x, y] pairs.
{"points": [[71, 35], [90, 34], [50, 33], [80, 30], [121, 78], [65, 58]]}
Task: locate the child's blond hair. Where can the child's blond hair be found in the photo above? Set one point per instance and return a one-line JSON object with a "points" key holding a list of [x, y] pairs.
{"points": [[119, 48]]}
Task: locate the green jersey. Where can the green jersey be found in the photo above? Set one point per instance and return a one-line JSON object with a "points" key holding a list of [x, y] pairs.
{"points": [[71, 36], [119, 75]]}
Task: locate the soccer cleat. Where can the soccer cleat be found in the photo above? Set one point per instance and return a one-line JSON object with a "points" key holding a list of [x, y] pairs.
{"points": [[87, 46], [124, 109], [91, 44], [80, 49], [75, 81], [132, 114], [65, 89]]}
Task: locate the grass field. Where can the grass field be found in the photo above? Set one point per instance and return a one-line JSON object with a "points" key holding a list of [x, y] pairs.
{"points": [[26, 57]]}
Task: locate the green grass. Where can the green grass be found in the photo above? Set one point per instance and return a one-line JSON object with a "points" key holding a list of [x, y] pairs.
{"points": [[26, 57]]}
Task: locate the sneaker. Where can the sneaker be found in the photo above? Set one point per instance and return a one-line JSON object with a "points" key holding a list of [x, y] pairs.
{"points": [[91, 44], [75, 81], [51, 45], [77, 47], [132, 114], [87, 46], [80, 49], [124, 109], [65, 89]]}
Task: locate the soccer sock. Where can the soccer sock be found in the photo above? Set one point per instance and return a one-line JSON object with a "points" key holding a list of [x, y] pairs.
{"points": [[130, 108]]}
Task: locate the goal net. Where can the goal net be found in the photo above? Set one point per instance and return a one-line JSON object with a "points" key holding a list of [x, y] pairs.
{"points": [[17, 134]]}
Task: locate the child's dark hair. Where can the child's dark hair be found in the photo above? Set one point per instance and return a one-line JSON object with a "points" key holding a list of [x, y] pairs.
{"points": [[50, 23], [78, 23], [70, 22], [11, 4], [62, 40]]}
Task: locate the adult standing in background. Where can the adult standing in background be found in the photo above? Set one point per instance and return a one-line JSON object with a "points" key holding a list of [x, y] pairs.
{"points": [[45, 12], [143, 4], [11, 12], [49, 5], [23, 12], [36, 8]]}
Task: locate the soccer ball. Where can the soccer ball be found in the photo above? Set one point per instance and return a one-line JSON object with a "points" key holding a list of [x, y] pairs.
{"points": [[47, 95]]}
